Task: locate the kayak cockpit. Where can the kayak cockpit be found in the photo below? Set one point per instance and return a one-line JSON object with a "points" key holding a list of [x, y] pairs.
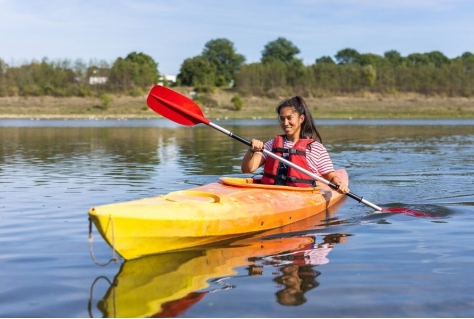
{"points": [[256, 183]]}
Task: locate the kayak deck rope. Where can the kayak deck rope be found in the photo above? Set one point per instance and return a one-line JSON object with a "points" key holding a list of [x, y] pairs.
{"points": [[91, 248]]}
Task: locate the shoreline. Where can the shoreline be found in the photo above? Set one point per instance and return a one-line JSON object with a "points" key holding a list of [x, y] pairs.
{"points": [[217, 119], [126, 117], [368, 106]]}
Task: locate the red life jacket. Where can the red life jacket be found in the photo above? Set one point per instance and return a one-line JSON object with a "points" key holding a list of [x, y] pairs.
{"points": [[275, 172]]}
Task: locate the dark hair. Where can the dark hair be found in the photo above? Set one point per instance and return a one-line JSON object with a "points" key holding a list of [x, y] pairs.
{"points": [[308, 128]]}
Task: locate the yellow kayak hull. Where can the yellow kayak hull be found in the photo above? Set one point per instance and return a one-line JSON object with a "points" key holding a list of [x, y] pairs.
{"points": [[214, 212]]}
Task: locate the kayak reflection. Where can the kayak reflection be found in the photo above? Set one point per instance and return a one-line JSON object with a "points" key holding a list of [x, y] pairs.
{"points": [[167, 285]]}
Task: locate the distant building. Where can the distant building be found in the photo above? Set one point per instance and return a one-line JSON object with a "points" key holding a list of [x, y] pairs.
{"points": [[169, 78], [98, 76], [97, 80]]}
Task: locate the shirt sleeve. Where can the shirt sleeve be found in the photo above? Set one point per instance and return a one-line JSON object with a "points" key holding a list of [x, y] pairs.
{"points": [[318, 159]]}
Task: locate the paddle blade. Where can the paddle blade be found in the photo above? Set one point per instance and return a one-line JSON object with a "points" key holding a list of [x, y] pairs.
{"points": [[407, 211], [174, 106]]}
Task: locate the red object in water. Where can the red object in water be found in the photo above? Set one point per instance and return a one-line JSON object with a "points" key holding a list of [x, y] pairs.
{"points": [[406, 211]]}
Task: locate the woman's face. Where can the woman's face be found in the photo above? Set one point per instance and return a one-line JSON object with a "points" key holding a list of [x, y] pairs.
{"points": [[290, 121]]}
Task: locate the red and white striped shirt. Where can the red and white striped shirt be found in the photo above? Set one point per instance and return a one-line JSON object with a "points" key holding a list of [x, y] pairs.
{"points": [[316, 155]]}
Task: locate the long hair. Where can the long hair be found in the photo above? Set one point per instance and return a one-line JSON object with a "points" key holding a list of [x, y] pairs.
{"points": [[308, 127]]}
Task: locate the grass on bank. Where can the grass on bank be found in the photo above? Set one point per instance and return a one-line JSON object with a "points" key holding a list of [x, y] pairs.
{"points": [[220, 105]]}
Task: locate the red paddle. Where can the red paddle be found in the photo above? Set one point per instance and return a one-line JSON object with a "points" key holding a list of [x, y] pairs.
{"points": [[182, 110]]}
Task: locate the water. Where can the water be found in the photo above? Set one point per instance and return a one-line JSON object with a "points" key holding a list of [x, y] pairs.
{"points": [[361, 264]]}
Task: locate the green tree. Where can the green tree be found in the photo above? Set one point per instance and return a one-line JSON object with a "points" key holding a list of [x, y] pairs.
{"points": [[369, 74], [222, 54], [438, 58], [325, 59], [136, 70], [259, 78], [466, 74], [80, 70], [467, 59], [147, 69], [370, 59], [105, 101], [467, 56], [347, 56], [418, 59], [295, 74], [325, 77], [3, 80], [237, 101], [279, 50], [121, 75], [197, 71], [393, 57]]}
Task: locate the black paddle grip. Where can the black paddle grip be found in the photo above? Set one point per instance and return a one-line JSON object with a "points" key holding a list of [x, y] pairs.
{"points": [[241, 139], [354, 196], [351, 195]]}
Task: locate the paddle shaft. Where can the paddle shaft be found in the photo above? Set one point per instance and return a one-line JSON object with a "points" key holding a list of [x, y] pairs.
{"points": [[301, 169]]}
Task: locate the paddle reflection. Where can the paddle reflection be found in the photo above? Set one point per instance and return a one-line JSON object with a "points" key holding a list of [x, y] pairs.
{"points": [[167, 285]]}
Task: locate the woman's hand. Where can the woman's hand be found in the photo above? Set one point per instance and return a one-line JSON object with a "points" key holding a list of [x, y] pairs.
{"points": [[252, 158], [343, 188], [257, 146], [333, 178]]}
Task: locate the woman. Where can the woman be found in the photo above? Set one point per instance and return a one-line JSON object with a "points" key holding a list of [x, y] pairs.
{"points": [[301, 144]]}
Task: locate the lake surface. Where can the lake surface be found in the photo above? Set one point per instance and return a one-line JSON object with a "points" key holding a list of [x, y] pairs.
{"points": [[361, 264]]}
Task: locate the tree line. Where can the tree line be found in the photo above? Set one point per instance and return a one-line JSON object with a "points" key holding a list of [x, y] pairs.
{"points": [[279, 72], [132, 75]]}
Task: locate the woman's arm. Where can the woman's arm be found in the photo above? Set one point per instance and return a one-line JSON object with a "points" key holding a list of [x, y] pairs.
{"points": [[253, 159]]}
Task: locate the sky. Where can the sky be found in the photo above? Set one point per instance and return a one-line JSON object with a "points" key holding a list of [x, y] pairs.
{"points": [[172, 31]]}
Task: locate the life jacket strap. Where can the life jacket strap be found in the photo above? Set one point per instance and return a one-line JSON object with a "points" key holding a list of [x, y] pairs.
{"points": [[288, 151]]}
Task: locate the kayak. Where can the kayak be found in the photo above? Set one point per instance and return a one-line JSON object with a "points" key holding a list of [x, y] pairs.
{"points": [[218, 211]]}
